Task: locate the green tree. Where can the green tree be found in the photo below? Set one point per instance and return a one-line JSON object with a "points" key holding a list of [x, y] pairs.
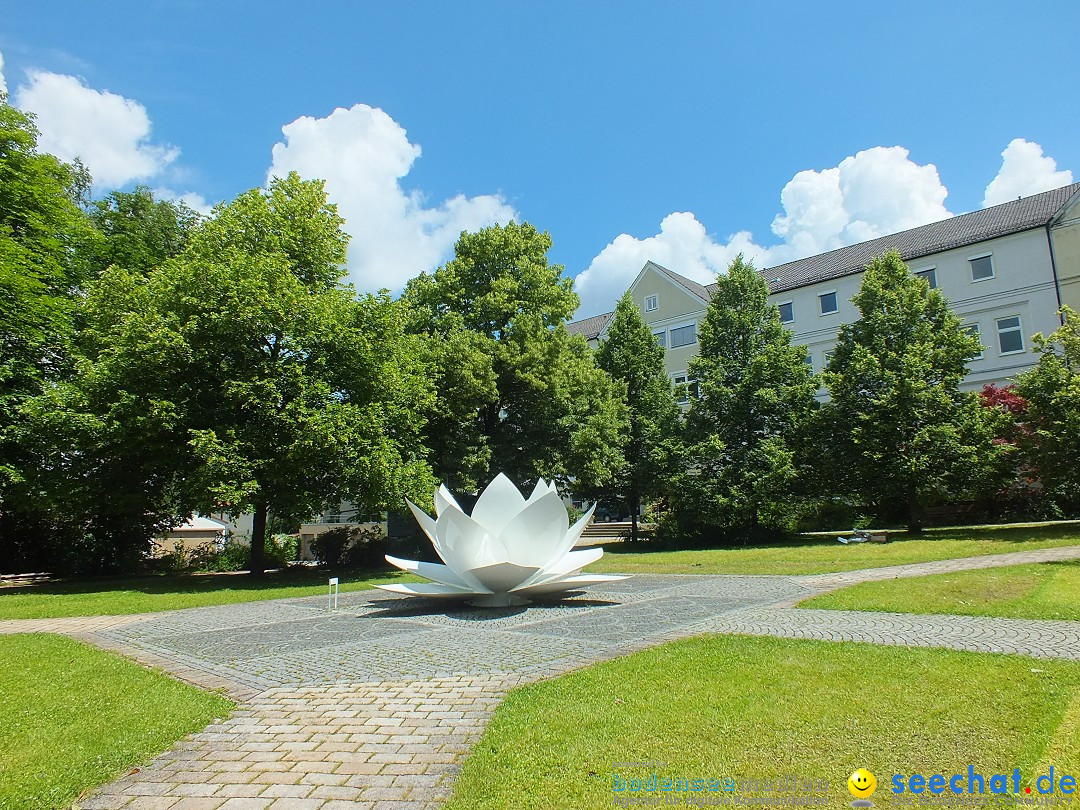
{"points": [[242, 376], [631, 355], [139, 233], [517, 393], [1051, 439], [900, 433], [44, 243], [754, 393]]}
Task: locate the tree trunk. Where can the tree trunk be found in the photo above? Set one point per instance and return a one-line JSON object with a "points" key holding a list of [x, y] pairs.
{"points": [[257, 562], [633, 524], [915, 515]]}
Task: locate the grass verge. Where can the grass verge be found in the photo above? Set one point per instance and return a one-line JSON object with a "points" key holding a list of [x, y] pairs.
{"points": [[74, 717], [827, 555], [730, 706], [1038, 591], [121, 596]]}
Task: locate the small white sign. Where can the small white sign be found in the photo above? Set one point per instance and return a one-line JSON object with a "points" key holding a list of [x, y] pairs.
{"points": [[331, 594]]}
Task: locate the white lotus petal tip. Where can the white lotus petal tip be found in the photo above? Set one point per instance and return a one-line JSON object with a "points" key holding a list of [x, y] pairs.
{"points": [[508, 549]]}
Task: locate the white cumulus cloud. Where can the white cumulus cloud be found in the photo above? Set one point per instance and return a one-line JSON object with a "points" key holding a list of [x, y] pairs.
{"points": [[109, 133], [682, 245], [363, 154], [3, 84], [1024, 170], [872, 193], [192, 199]]}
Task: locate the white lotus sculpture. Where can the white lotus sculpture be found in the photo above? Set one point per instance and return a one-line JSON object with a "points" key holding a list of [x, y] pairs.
{"points": [[507, 552]]}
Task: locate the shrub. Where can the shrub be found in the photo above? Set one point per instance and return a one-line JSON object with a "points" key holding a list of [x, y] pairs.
{"points": [[281, 550], [351, 546], [329, 547]]}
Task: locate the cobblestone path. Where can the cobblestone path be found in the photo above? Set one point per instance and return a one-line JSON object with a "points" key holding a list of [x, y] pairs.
{"points": [[373, 706]]}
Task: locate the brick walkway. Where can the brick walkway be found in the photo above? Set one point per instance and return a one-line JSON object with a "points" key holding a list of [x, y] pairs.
{"points": [[374, 705]]}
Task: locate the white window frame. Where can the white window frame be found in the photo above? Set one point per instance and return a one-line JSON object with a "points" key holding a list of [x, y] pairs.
{"points": [[654, 300], [924, 271], [826, 356], [971, 267], [822, 313], [790, 303], [662, 335], [974, 328], [681, 378], [1018, 328], [671, 339]]}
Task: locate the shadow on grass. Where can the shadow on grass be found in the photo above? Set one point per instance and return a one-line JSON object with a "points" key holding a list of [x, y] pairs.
{"points": [[162, 584], [1012, 533]]}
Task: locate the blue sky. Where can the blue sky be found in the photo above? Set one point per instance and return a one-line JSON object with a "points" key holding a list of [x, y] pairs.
{"points": [[629, 130]]}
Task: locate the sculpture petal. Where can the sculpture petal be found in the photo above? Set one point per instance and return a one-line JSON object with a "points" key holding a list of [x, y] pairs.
{"points": [[533, 536], [498, 504], [567, 584], [428, 589], [443, 574], [539, 490], [465, 544], [504, 576], [568, 565], [569, 539], [425, 521], [444, 500]]}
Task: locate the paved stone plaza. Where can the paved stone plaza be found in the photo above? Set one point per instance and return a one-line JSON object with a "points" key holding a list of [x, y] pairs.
{"points": [[375, 705]]}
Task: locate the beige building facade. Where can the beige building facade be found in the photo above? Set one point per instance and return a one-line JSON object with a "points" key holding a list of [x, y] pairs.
{"points": [[1006, 270]]}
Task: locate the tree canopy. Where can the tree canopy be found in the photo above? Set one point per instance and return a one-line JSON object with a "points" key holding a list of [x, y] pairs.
{"points": [[1051, 440], [901, 433], [239, 376], [516, 392], [139, 232], [754, 392], [632, 357]]}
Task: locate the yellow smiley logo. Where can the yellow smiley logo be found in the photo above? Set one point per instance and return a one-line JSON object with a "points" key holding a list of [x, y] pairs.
{"points": [[862, 784]]}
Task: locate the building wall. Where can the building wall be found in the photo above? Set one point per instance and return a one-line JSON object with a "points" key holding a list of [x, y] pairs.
{"points": [[1065, 236], [677, 308], [1022, 286]]}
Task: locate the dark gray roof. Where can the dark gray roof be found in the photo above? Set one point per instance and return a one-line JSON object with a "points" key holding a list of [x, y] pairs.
{"points": [[978, 226], [967, 229], [589, 327]]}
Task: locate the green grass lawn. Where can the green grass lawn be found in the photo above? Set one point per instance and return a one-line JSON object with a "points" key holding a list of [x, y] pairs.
{"points": [[821, 555], [73, 717], [730, 706], [1037, 591], [105, 597]]}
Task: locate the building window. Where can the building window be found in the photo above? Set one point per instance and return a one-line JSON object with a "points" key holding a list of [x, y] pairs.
{"points": [[787, 312], [982, 268], [661, 338], [652, 303], [809, 360], [685, 388], [973, 330], [684, 336], [828, 357], [929, 275], [827, 302], [1010, 335]]}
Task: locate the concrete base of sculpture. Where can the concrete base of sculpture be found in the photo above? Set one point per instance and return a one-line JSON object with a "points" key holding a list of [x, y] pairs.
{"points": [[508, 551]]}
